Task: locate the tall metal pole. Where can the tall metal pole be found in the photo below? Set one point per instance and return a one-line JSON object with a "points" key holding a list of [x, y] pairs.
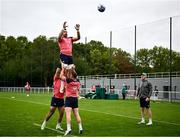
{"points": [[110, 60], [135, 57], [31, 68], [41, 68], [85, 76], [170, 59], [85, 40]]}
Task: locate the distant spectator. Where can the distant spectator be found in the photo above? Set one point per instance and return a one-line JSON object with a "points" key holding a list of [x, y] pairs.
{"points": [[155, 93], [106, 89], [93, 88], [124, 91], [27, 88], [112, 89]]}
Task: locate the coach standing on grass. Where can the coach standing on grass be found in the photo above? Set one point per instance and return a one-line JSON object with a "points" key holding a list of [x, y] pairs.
{"points": [[144, 93]]}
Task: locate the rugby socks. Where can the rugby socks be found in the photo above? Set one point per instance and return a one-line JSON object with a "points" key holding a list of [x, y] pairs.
{"points": [[80, 126], [58, 126], [71, 66], [150, 120], [142, 119], [68, 127], [43, 125]]}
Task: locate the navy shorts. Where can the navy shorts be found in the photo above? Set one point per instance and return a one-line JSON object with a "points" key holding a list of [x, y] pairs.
{"points": [[57, 102], [66, 59], [71, 102], [144, 103]]}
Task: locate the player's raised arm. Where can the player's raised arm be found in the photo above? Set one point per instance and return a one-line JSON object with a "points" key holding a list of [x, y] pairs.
{"points": [[63, 30], [77, 27], [62, 74], [57, 73]]}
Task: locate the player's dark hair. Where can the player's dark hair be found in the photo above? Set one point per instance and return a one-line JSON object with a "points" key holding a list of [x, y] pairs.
{"points": [[74, 73]]}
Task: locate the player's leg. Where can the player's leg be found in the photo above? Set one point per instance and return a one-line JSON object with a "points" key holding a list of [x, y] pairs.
{"points": [[150, 116], [149, 113], [142, 109], [64, 65], [64, 59], [60, 117], [123, 94], [48, 116], [70, 62], [28, 91], [78, 119], [68, 109], [68, 120], [62, 87], [50, 113], [71, 66]]}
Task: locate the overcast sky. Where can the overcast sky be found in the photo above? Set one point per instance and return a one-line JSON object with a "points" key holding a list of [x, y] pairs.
{"points": [[32, 18]]}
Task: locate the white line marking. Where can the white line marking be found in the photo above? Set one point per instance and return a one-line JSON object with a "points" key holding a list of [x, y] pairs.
{"points": [[36, 124], [48, 128], [130, 117], [26, 101], [118, 115]]}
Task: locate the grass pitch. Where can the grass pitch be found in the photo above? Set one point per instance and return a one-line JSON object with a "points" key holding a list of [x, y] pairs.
{"points": [[22, 116]]}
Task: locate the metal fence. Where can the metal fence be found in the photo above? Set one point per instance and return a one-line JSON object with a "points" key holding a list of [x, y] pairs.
{"points": [[171, 96], [22, 89], [132, 75]]}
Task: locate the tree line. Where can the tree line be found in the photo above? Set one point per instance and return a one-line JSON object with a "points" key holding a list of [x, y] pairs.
{"points": [[22, 60]]}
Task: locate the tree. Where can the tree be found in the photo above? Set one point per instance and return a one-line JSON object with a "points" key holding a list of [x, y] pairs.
{"points": [[122, 62], [160, 59], [22, 60], [2, 51], [175, 61], [12, 53], [144, 59], [91, 58], [44, 58]]}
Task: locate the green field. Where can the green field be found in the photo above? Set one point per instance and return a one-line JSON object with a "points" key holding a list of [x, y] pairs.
{"points": [[22, 116]]}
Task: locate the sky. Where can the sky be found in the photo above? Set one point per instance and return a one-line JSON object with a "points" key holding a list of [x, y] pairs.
{"points": [[32, 18]]}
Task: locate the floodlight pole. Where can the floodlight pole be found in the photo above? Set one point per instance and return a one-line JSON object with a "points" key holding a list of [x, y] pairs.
{"points": [[110, 61], [31, 69], [85, 40], [170, 59], [135, 57], [85, 76], [41, 68]]}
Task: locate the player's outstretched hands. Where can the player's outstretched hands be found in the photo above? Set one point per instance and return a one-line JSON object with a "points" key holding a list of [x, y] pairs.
{"points": [[65, 25], [77, 26]]}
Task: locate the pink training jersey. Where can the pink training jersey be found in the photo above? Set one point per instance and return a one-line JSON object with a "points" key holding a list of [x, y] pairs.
{"points": [[27, 87], [57, 85], [65, 46], [72, 88]]}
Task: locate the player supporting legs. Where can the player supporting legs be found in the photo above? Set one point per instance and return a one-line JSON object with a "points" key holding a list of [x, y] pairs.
{"points": [[56, 102], [71, 102]]}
